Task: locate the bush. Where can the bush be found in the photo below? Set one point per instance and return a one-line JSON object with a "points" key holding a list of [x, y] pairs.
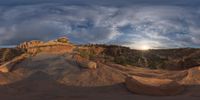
{"points": [[87, 54], [63, 40], [157, 64], [121, 60], [84, 54]]}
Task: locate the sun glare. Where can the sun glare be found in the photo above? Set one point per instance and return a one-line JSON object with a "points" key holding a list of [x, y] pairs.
{"points": [[145, 47]]}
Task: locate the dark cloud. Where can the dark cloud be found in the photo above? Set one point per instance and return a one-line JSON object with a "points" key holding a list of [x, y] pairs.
{"points": [[157, 23], [103, 2]]}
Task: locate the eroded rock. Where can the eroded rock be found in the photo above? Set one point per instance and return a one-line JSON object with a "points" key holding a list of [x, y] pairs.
{"points": [[193, 77], [85, 63], [88, 64], [153, 86], [30, 44], [7, 67]]}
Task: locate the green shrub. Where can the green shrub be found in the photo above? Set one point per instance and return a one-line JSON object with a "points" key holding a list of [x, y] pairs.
{"points": [[121, 60], [84, 54], [157, 64], [63, 40]]}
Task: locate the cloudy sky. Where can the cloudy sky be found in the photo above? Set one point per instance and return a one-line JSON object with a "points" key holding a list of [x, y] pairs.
{"points": [[133, 23]]}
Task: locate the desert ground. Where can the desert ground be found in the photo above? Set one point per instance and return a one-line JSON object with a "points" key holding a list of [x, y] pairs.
{"points": [[59, 70]]}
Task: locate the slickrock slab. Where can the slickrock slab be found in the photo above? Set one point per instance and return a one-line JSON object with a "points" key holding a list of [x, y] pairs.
{"points": [[153, 86], [193, 77]]}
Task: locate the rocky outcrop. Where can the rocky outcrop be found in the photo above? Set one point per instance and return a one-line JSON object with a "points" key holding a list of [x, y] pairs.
{"points": [[153, 86], [8, 66], [57, 48], [88, 64], [8, 54], [193, 76], [37, 43], [59, 45], [85, 63], [10, 57], [33, 43]]}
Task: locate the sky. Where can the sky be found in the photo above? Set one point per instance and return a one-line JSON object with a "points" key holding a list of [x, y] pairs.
{"points": [[132, 23]]}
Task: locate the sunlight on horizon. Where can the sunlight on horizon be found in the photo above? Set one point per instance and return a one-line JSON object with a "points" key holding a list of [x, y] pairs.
{"points": [[144, 47]]}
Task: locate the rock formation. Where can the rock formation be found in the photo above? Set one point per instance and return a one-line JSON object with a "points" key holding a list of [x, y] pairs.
{"points": [[33, 43], [60, 45], [88, 64], [8, 66], [153, 86], [77, 72], [7, 54], [54, 46], [85, 63]]}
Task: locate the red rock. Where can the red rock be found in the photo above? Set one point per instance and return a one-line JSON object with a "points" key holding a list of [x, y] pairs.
{"points": [[153, 86]]}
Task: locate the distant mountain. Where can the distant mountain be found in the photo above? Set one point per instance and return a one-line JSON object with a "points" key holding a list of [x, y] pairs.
{"points": [[7, 46]]}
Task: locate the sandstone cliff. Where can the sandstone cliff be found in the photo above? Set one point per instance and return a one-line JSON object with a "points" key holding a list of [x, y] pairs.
{"points": [[54, 46]]}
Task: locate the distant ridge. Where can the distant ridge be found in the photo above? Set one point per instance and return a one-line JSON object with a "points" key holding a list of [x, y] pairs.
{"points": [[168, 59], [7, 46]]}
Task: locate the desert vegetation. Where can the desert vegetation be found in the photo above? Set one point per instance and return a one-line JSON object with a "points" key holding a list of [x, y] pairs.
{"points": [[170, 59]]}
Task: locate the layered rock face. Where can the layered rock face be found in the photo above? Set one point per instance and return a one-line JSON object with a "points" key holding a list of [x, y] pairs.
{"points": [[193, 77], [8, 66], [33, 43], [55, 46], [7, 54]]}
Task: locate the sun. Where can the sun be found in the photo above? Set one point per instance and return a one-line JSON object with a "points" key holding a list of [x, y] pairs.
{"points": [[144, 47]]}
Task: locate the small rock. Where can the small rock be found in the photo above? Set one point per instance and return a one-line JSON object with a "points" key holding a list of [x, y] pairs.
{"points": [[88, 64]]}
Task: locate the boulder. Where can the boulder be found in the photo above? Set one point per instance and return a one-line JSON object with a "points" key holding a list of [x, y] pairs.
{"points": [[153, 86], [85, 63], [88, 64]]}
